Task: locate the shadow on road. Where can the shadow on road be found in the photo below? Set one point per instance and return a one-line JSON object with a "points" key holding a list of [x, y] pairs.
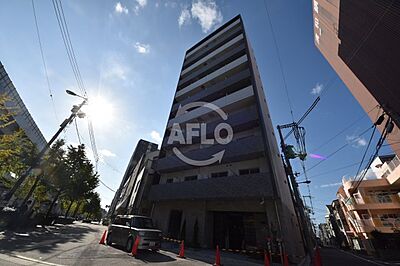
{"points": [[44, 240], [148, 256]]}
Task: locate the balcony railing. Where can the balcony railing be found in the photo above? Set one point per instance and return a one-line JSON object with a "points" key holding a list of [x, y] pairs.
{"points": [[371, 224], [230, 187]]}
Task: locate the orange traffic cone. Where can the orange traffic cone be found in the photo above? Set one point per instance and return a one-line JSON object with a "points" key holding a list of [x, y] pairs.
{"points": [[285, 260], [135, 246], [266, 259], [217, 257], [317, 257], [103, 238], [182, 250]]}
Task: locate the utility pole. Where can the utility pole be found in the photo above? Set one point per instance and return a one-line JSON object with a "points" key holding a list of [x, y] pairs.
{"points": [[298, 203], [36, 162]]}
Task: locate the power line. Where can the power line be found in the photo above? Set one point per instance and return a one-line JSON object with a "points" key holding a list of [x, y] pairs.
{"points": [[388, 129], [106, 186], [43, 60], [279, 59], [335, 169], [62, 23], [110, 166], [77, 132], [339, 149], [353, 123]]}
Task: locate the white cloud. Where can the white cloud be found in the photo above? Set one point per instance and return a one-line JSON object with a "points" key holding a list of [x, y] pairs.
{"points": [[317, 89], [115, 69], [331, 185], [142, 48], [156, 136], [140, 4], [184, 18], [119, 8], [356, 141], [107, 153], [207, 14]]}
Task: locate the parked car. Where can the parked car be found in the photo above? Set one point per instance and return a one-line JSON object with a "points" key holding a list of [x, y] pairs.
{"points": [[125, 228]]}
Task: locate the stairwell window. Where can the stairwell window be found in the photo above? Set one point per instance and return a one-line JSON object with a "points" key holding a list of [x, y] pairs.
{"points": [[191, 178], [249, 171], [219, 174]]}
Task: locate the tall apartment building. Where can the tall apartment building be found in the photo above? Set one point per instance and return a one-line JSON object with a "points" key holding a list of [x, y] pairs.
{"points": [[373, 212], [122, 196], [233, 193], [361, 40], [20, 113]]}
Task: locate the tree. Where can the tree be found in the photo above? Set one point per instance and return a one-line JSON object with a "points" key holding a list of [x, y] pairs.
{"points": [[82, 178], [16, 151], [91, 207]]}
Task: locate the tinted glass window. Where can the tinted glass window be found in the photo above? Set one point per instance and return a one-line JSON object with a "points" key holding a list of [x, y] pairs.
{"points": [[144, 223]]}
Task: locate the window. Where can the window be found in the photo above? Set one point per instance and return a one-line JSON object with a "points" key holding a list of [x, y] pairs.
{"points": [[191, 178], [383, 198], [142, 223], [389, 219], [170, 180], [219, 174], [249, 171]]}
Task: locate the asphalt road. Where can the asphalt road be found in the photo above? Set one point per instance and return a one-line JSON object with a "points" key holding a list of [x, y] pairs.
{"points": [[334, 257], [78, 244]]}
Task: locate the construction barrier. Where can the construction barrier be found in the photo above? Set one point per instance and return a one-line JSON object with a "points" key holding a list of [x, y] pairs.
{"points": [[182, 250], [135, 246], [103, 238]]}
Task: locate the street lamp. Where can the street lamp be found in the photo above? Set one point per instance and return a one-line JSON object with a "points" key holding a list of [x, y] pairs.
{"points": [[304, 182], [36, 162]]}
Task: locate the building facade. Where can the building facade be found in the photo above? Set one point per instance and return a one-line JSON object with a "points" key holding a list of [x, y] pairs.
{"points": [[233, 194], [373, 211], [360, 40], [123, 194], [19, 112]]}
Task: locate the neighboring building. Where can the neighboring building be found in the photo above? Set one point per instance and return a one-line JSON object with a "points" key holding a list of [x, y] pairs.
{"points": [[19, 112], [337, 224], [242, 199], [143, 147], [134, 194], [360, 39], [373, 210], [326, 234]]}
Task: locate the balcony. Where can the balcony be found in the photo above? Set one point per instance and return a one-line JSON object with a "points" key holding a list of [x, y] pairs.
{"points": [[218, 90], [242, 149], [213, 54], [212, 43], [238, 97], [371, 224], [212, 65], [225, 70], [229, 187], [394, 176], [239, 121]]}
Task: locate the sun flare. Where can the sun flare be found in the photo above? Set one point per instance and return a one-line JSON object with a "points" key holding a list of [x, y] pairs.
{"points": [[100, 110]]}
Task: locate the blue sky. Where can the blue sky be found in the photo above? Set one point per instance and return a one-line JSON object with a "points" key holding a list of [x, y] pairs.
{"points": [[130, 53]]}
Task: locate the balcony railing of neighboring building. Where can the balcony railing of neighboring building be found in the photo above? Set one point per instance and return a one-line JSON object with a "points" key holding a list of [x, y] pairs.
{"points": [[384, 225], [394, 171], [256, 185]]}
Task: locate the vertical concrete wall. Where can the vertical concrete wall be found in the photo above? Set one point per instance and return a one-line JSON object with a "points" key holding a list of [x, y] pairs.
{"points": [[286, 215]]}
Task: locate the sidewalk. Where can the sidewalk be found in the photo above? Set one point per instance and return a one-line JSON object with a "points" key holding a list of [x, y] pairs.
{"points": [[208, 256]]}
